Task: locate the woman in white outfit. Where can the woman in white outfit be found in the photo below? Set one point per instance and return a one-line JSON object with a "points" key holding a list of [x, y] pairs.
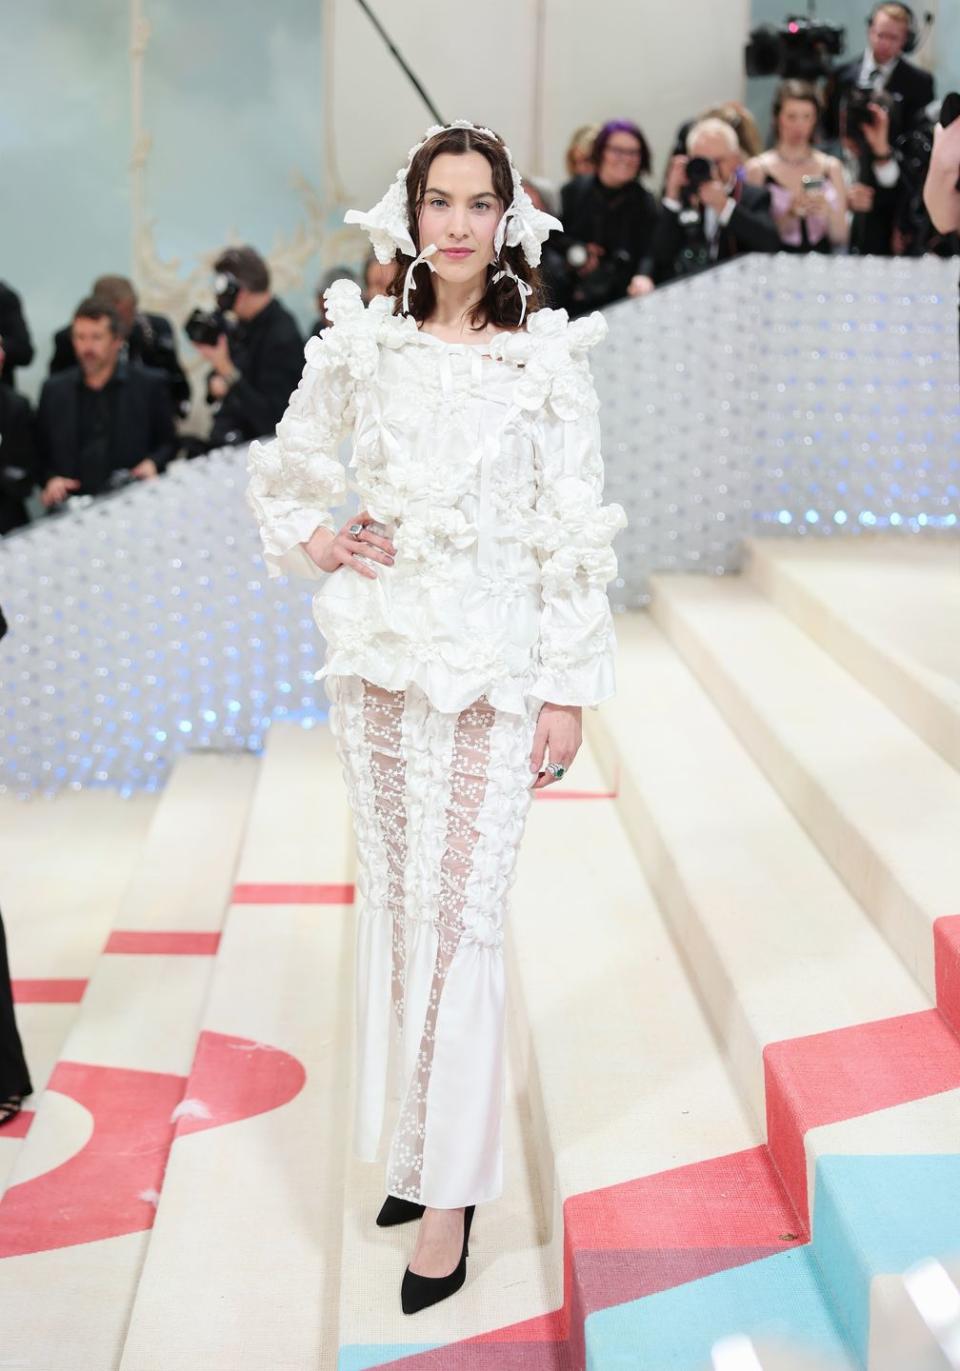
{"points": [[467, 623]]}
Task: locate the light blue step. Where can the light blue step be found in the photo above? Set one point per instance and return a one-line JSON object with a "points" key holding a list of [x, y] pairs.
{"points": [[877, 1216], [366, 1356], [778, 1297]]}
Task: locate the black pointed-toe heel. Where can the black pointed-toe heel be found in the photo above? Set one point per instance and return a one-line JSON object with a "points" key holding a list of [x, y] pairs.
{"points": [[419, 1292], [395, 1210]]}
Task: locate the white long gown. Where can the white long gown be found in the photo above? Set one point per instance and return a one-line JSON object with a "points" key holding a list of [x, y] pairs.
{"points": [[483, 463]]}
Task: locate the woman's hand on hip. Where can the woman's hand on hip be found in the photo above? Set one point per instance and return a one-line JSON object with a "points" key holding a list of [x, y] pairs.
{"points": [[349, 549], [559, 734]]}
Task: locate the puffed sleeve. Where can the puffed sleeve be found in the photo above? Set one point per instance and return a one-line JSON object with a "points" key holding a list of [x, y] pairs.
{"points": [[296, 478], [573, 535]]}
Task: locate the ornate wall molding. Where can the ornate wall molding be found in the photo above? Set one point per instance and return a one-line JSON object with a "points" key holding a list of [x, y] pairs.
{"points": [[171, 287]]}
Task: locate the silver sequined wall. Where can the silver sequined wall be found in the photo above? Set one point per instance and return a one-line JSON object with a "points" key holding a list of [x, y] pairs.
{"points": [[809, 397], [803, 396]]}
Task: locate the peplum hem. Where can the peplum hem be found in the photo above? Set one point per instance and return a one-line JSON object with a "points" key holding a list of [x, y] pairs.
{"points": [[452, 693]]}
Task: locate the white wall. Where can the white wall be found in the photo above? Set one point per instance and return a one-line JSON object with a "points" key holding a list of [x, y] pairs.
{"points": [[647, 61], [238, 97]]}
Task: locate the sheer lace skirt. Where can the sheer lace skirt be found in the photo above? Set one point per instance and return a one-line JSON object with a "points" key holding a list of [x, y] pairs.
{"points": [[439, 804]]}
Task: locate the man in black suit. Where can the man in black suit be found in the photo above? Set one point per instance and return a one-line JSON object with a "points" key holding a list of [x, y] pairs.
{"points": [[17, 458], [16, 345], [902, 92], [722, 219], [149, 339], [258, 365], [882, 67], [101, 416], [876, 193]]}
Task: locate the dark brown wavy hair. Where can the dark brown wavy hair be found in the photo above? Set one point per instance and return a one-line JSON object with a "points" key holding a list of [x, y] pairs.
{"points": [[500, 303]]}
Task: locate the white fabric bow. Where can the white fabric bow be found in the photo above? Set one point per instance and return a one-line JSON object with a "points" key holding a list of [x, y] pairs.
{"points": [[524, 226], [523, 287], [409, 283], [386, 223]]}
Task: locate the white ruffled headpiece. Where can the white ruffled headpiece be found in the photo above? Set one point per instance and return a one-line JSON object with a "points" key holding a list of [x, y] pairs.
{"points": [[522, 224]]}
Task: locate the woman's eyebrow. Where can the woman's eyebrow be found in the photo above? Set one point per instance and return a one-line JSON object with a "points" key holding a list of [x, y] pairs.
{"points": [[480, 194]]}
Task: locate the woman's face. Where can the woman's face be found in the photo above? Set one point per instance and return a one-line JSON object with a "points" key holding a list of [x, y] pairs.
{"points": [[797, 122], [460, 213], [620, 161]]}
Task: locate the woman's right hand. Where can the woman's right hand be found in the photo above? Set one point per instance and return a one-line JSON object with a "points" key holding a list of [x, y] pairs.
{"points": [[348, 549]]}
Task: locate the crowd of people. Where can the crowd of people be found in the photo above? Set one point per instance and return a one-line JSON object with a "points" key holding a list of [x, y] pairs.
{"points": [[843, 171]]}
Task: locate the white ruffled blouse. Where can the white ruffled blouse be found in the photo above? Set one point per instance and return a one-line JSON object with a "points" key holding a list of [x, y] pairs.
{"points": [[483, 461]]}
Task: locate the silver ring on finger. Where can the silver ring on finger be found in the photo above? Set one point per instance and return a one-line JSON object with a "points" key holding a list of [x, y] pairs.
{"points": [[355, 529], [557, 768]]}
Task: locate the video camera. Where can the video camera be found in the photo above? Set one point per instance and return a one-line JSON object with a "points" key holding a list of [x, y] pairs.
{"points": [[206, 326], [800, 47]]}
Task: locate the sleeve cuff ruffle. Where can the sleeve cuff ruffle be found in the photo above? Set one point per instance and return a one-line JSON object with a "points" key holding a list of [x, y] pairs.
{"points": [[577, 650], [587, 685], [284, 525]]}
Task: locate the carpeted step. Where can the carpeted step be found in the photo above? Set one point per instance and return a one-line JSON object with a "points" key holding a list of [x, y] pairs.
{"points": [[798, 982], [881, 805], [76, 1219], [66, 864], [883, 607], [245, 1248]]}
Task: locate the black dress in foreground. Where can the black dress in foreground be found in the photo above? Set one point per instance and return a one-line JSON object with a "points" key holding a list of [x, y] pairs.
{"points": [[14, 1076]]}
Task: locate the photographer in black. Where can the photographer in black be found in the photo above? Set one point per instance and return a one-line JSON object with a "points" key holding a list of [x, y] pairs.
{"points": [[609, 219], [709, 214], [257, 361], [883, 69], [874, 166], [149, 339]]}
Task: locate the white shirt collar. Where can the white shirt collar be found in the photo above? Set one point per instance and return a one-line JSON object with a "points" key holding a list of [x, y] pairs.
{"points": [[869, 64]]}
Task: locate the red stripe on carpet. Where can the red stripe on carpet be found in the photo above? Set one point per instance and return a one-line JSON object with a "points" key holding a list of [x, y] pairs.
{"points": [[731, 1201], [846, 1072], [253, 893], [19, 1125], [109, 1186], [162, 942], [946, 948], [235, 1078], [49, 990], [100, 1191], [553, 792]]}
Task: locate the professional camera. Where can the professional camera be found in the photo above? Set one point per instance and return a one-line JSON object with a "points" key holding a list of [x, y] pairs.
{"points": [[857, 114], [699, 170], [801, 47], [206, 326]]}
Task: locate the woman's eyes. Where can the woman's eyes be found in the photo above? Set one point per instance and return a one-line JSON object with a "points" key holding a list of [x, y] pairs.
{"points": [[478, 204]]}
